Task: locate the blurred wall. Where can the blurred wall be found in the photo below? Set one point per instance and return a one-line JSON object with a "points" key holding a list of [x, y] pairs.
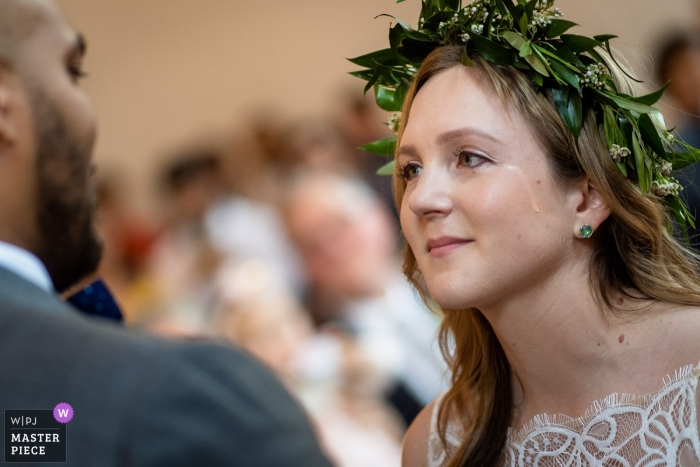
{"points": [[162, 72]]}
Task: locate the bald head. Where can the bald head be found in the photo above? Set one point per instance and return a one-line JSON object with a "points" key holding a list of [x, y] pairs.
{"points": [[19, 20]]}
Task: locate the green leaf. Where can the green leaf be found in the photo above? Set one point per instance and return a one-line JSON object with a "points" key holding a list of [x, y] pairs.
{"points": [[561, 61], [524, 23], [387, 169], [567, 55], [537, 64], [653, 98], [400, 94], [396, 36], [363, 74], [464, 59], [622, 168], [416, 51], [375, 77], [530, 8], [570, 107], [639, 164], [681, 160], [510, 6], [451, 4], [623, 103], [515, 39], [579, 44], [491, 51], [537, 78], [400, 1], [382, 147], [386, 99], [526, 50], [604, 37], [373, 59], [558, 27], [565, 74], [650, 135]]}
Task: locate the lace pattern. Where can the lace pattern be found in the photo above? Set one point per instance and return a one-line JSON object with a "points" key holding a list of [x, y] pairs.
{"points": [[660, 429]]}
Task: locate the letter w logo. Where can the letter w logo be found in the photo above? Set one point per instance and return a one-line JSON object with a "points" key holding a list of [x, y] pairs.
{"points": [[63, 413]]}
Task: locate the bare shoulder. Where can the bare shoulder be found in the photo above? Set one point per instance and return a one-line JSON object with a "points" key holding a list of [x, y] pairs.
{"points": [[415, 443]]}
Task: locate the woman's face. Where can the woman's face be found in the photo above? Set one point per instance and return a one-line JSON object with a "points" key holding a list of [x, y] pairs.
{"points": [[481, 212]]}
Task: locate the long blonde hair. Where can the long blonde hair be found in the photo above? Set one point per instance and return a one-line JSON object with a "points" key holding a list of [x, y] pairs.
{"points": [[633, 251]]}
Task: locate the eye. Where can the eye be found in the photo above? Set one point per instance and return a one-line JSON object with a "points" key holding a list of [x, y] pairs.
{"points": [[470, 159], [75, 70], [410, 171]]}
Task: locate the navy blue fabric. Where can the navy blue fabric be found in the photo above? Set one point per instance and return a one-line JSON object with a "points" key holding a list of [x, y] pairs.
{"points": [[96, 300]]}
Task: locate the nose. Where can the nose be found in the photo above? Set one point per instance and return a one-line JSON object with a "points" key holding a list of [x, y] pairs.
{"points": [[430, 195]]}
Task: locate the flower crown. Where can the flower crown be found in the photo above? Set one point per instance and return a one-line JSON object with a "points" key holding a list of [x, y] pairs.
{"points": [[531, 36]]}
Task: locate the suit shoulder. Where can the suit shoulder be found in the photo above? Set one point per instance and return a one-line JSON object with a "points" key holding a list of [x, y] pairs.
{"points": [[214, 405]]}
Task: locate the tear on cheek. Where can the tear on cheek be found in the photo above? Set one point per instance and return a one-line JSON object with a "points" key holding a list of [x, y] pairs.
{"points": [[526, 187]]}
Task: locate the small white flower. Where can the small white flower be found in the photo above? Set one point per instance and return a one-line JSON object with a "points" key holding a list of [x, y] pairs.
{"points": [[666, 168], [394, 122]]}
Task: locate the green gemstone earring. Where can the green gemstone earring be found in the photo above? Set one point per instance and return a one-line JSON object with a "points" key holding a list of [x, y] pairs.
{"points": [[586, 231]]}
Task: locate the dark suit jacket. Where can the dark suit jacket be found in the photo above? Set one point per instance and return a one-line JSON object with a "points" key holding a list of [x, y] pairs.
{"points": [[141, 401]]}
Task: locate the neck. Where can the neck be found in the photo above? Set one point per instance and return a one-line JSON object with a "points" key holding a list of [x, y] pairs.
{"points": [[566, 349]]}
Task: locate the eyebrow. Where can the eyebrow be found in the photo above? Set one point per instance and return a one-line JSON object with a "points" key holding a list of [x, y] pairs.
{"points": [[410, 150]]}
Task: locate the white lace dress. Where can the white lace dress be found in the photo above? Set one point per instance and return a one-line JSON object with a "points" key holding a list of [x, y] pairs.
{"points": [[621, 431]]}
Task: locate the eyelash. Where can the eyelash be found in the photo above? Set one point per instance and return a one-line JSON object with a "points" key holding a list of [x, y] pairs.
{"points": [[76, 72], [403, 170]]}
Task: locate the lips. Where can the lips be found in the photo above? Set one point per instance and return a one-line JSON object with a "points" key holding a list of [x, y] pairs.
{"points": [[441, 246]]}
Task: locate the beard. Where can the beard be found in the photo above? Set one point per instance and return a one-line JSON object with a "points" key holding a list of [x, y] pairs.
{"points": [[68, 243]]}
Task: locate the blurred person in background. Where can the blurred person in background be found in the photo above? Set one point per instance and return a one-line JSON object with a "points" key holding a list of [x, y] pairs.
{"points": [[678, 61], [183, 262], [345, 236], [244, 223], [128, 240], [360, 122], [137, 400], [314, 144], [326, 371]]}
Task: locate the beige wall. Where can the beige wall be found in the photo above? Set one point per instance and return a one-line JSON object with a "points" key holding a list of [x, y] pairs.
{"points": [[164, 71]]}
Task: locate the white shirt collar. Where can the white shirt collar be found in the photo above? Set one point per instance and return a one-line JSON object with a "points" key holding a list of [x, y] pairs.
{"points": [[25, 265]]}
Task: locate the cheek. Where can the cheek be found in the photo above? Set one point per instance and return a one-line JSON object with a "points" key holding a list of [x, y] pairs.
{"points": [[409, 223]]}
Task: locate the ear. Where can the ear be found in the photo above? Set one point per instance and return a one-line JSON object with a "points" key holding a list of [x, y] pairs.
{"points": [[591, 208]]}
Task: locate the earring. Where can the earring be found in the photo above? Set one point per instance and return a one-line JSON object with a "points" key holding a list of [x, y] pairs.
{"points": [[586, 231]]}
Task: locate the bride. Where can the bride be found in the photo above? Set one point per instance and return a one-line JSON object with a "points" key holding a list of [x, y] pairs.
{"points": [[571, 316], [496, 203]]}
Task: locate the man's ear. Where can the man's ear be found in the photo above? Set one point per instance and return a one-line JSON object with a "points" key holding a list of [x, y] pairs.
{"points": [[591, 209]]}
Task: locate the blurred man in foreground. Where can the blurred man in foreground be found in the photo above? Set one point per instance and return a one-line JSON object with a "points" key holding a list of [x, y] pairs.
{"points": [[135, 401]]}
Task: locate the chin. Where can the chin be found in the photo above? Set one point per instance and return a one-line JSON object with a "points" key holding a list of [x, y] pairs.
{"points": [[452, 294]]}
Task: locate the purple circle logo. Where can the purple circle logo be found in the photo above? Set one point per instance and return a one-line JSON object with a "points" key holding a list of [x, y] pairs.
{"points": [[63, 412]]}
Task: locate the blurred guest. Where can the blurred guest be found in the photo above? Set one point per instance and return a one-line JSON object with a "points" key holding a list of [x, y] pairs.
{"points": [[346, 238], [678, 63], [183, 262], [361, 121], [315, 145], [133, 400], [340, 390], [128, 240], [244, 224]]}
